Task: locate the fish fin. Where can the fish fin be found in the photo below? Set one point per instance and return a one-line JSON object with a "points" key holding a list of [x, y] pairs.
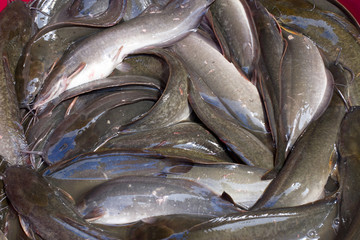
{"points": [[68, 110], [123, 67], [66, 195], [117, 55], [52, 67], [81, 66], [94, 214], [225, 196], [26, 228], [152, 8]]}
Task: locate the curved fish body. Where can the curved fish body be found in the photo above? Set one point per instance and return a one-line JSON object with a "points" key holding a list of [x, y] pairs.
{"points": [[132, 198], [306, 86], [305, 91], [95, 58], [311, 221], [349, 150], [243, 143], [34, 66], [233, 20], [268, 73], [172, 106], [189, 136], [243, 183], [12, 40], [44, 208], [107, 84], [71, 137], [339, 44], [235, 91], [306, 170], [82, 173]]}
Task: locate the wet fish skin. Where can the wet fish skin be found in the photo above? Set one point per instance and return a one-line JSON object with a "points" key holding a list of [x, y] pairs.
{"points": [[337, 43], [72, 136], [131, 198], [243, 183], [107, 84], [84, 172], [36, 63], [238, 95], [310, 221], [269, 67], [243, 143], [172, 106], [349, 151], [307, 168], [12, 39], [236, 25], [189, 136], [305, 92], [180, 17], [163, 226], [46, 210]]}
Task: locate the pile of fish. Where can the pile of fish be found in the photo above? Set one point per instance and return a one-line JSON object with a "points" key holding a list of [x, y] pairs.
{"points": [[179, 119]]}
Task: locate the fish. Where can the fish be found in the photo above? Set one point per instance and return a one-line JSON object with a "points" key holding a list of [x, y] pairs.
{"points": [[308, 166], [44, 208], [349, 151], [247, 147], [191, 137], [306, 89], [243, 183], [85, 171], [96, 122], [163, 226], [36, 64], [234, 21], [13, 37], [93, 60], [132, 198], [172, 106], [310, 221], [112, 83], [335, 41], [235, 91]]}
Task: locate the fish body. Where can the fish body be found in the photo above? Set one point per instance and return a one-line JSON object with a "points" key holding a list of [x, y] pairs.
{"points": [[95, 58]]}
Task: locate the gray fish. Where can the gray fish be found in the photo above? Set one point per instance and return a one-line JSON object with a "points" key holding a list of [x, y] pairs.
{"points": [[235, 23], [238, 95], [243, 143], [268, 72], [305, 91], [93, 123], [131, 198], [44, 208], [191, 137], [308, 166], [163, 226], [147, 65], [82, 173], [94, 59], [36, 64], [311, 221], [243, 183], [108, 84], [349, 151], [337, 42], [12, 40], [172, 106]]}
